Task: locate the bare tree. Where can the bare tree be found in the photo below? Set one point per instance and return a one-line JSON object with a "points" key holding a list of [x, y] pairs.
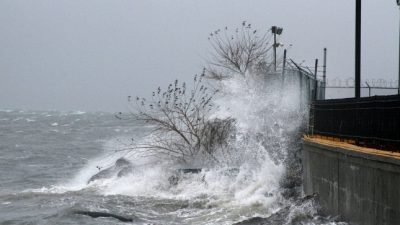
{"points": [[238, 52], [180, 118]]}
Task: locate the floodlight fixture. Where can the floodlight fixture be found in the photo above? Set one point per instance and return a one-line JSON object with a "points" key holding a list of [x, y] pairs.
{"points": [[278, 30]]}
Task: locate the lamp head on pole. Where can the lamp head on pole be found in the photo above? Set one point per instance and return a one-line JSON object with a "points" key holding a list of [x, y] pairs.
{"points": [[278, 30], [398, 2]]}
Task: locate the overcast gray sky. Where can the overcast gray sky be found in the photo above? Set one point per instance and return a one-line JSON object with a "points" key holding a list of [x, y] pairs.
{"points": [[90, 54]]}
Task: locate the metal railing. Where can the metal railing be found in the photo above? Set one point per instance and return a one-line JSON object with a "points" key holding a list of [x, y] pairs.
{"points": [[370, 121]]}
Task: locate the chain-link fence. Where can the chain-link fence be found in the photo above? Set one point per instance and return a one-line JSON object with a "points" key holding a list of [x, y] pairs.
{"points": [[371, 121]]}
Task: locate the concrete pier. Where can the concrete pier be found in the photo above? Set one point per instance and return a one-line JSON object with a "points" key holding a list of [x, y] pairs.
{"points": [[361, 185]]}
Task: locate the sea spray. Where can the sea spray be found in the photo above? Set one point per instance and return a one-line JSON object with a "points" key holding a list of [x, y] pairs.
{"points": [[266, 116], [251, 180]]}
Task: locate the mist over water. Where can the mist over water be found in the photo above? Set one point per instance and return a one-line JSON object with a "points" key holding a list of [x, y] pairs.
{"points": [[45, 174]]}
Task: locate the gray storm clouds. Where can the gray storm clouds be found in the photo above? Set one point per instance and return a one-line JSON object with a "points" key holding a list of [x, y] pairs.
{"points": [[89, 55]]}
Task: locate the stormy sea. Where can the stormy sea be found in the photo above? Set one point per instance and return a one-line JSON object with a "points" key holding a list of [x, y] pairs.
{"points": [[76, 168]]}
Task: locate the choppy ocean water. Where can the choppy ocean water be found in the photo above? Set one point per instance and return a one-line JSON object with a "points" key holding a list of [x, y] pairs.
{"points": [[46, 159]]}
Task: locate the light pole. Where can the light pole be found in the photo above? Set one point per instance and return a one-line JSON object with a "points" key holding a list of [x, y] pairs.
{"points": [[358, 50], [398, 79], [276, 31]]}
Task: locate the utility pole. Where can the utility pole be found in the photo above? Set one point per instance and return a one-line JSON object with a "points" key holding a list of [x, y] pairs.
{"points": [[358, 50], [276, 31]]}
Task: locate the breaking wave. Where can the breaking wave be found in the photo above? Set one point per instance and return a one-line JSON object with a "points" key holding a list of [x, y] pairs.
{"points": [[259, 178]]}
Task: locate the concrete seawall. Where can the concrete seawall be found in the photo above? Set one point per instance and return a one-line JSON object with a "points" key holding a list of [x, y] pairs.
{"points": [[361, 185]]}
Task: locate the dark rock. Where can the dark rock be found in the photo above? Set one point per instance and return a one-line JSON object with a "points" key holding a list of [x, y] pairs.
{"points": [[107, 173], [277, 218], [190, 170], [125, 171], [122, 162], [179, 174], [122, 167], [252, 221], [174, 179], [102, 214]]}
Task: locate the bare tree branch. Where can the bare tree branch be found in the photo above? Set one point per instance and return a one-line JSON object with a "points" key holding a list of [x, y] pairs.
{"points": [[238, 52], [182, 127]]}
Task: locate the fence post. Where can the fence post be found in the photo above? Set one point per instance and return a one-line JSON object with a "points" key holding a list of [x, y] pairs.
{"points": [[284, 67], [301, 90], [316, 80], [284, 62], [369, 89], [324, 74], [311, 122]]}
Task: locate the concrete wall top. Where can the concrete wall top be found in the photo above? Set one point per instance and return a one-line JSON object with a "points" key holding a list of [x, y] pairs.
{"points": [[353, 150]]}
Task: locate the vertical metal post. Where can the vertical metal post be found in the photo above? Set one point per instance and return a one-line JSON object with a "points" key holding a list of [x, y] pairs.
{"points": [[284, 62], [358, 50], [316, 80], [302, 98], [398, 79], [369, 89], [275, 51], [283, 69], [324, 68], [324, 73]]}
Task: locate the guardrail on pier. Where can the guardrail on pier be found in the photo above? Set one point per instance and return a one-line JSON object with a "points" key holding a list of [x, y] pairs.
{"points": [[371, 121]]}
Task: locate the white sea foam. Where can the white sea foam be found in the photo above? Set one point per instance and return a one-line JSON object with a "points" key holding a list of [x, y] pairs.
{"points": [[257, 112], [265, 115], [78, 112], [6, 110]]}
